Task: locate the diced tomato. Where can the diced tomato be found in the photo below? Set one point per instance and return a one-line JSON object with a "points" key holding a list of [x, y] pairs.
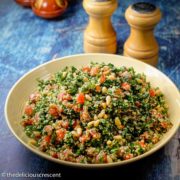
{"points": [[86, 69], [83, 138], [47, 139], [85, 115], [142, 144], [94, 71], [145, 135], [126, 86], [60, 134], [54, 155], [98, 88], [65, 124], [76, 108], [137, 103], [80, 98], [74, 124], [64, 96], [159, 115], [60, 96], [67, 97], [105, 158], [128, 156], [102, 78], [94, 134], [28, 110], [164, 125], [34, 97], [37, 134], [48, 129], [101, 157], [152, 92], [53, 110], [27, 122]]}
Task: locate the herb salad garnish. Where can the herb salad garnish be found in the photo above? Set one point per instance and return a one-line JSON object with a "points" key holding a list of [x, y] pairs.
{"points": [[96, 114]]}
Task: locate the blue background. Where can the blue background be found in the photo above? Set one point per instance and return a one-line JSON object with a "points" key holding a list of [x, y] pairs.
{"points": [[27, 41]]}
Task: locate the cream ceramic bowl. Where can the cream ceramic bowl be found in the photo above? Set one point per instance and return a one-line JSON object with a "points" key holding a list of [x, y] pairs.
{"points": [[19, 94]]}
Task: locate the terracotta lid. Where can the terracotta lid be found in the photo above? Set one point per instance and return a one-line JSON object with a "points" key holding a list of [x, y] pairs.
{"points": [[49, 8]]}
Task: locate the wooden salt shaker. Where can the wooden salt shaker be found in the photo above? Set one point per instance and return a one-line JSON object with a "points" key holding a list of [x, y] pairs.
{"points": [[99, 36], [141, 44]]}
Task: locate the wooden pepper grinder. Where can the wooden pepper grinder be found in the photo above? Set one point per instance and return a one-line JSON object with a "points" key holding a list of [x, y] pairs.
{"points": [[141, 44], [99, 36]]}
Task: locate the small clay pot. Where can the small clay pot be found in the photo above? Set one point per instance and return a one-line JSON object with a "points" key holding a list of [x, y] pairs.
{"points": [[49, 8], [26, 3]]}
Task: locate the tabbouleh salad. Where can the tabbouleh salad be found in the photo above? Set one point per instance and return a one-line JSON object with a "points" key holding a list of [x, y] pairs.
{"points": [[96, 114]]}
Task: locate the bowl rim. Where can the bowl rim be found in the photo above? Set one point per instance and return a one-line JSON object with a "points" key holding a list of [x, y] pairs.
{"points": [[81, 165]]}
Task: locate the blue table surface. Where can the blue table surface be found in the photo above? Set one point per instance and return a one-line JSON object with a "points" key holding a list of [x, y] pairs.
{"points": [[27, 41]]}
